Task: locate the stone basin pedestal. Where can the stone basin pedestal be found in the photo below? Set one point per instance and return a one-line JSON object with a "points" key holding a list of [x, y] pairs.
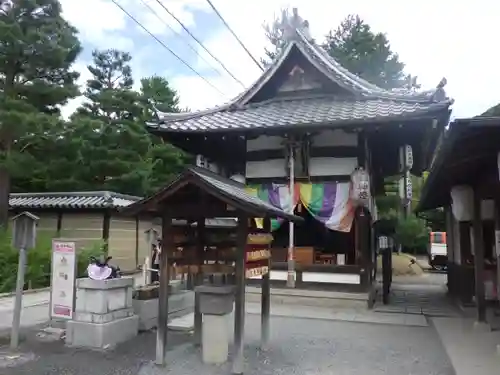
{"points": [[216, 305], [104, 315]]}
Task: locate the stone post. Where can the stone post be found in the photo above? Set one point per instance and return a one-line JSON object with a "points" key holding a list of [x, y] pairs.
{"points": [[216, 305]]}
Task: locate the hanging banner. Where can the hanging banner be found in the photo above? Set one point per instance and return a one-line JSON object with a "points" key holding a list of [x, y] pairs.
{"points": [[62, 285]]}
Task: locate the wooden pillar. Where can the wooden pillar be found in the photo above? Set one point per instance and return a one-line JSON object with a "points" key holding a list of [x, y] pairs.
{"points": [[266, 298], [386, 274], [497, 246], [364, 247], [239, 313], [200, 253], [450, 247], [161, 333], [477, 227]]}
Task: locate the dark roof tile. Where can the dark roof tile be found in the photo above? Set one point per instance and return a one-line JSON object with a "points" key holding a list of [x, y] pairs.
{"points": [[76, 200], [301, 111]]}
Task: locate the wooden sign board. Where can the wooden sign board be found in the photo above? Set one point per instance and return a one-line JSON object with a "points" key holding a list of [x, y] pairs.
{"points": [[257, 255]]}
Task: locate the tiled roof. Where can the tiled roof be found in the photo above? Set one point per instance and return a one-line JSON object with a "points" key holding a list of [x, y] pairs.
{"points": [[76, 200], [372, 102], [217, 185], [302, 111], [235, 190]]}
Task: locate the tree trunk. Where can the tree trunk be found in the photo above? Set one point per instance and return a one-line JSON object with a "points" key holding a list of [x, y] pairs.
{"points": [[4, 197]]}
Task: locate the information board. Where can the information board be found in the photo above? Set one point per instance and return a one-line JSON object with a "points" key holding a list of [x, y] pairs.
{"points": [[62, 286], [257, 255]]}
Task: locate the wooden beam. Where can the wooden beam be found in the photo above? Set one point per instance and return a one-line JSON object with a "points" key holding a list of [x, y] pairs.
{"points": [[310, 179], [497, 244], [239, 314], [137, 241], [59, 223], [477, 226], [266, 299], [162, 331], [200, 253]]}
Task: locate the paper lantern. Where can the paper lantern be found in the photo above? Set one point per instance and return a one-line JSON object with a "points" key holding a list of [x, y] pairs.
{"points": [[462, 202], [383, 242], [405, 158], [406, 194], [360, 181]]}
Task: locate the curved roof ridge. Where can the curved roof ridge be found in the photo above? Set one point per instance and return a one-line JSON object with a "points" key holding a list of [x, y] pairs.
{"points": [[328, 66], [425, 95]]}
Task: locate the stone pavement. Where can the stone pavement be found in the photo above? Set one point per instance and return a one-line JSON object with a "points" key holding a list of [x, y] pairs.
{"points": [[470, 350], [421, 295], [35, 308]]}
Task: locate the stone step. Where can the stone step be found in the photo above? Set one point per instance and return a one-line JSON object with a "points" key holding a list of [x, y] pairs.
{"points": [[311, 298]]}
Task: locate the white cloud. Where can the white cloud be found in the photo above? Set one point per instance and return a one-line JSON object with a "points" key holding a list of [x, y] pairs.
{"points": [[97, 21], [434, 38]]}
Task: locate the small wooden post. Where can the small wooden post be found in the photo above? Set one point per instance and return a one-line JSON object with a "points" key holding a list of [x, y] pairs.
{"points": [[161, 333], [23, 238], [477, 227], [266, 298], [200, 251], [239, 313], [386, 252]]}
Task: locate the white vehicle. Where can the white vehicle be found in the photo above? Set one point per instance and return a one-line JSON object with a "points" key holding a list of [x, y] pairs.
{"points": [[438, 253]]}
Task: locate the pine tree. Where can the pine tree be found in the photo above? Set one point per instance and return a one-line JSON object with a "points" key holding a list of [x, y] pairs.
{"points": [[37, 49], [167, 160], [114, 145], [365, 53]]}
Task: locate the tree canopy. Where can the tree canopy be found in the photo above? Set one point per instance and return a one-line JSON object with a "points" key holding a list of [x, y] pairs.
{"points": [[38, 48], [105, 138], [355, 46]]}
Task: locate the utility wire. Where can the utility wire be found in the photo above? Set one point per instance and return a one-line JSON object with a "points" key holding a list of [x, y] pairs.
{"points": [[234, 34], [180, 36], [198, 41], [166, 47]]}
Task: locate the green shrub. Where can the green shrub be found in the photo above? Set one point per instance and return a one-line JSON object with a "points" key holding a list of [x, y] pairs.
{"points": [[38, 267]]}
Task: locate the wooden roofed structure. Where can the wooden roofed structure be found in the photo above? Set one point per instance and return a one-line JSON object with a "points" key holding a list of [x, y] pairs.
{"points": [[464, 180], [198, 194], [300, 132], [306, 91]]}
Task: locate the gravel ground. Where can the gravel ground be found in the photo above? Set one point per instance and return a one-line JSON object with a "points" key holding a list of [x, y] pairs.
{"points": [[298, 346], [53, 358], [307, 347]]}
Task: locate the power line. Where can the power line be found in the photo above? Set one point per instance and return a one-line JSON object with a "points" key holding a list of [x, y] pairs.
{"points": [[165, 46], [198, 41], [180, 36], [234, 34]]}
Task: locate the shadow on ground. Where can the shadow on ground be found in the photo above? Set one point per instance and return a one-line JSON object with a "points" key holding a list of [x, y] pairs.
{"points": [[53, 358]]}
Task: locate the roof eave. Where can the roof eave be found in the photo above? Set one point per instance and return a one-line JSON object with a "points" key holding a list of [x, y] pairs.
{"points": [[422, 114]]}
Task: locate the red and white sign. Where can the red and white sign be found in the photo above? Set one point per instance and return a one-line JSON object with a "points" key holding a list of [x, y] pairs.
{"points": [[62, 286]]}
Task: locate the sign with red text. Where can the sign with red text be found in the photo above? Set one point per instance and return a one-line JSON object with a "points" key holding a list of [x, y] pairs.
{"points": [[62, 286]]}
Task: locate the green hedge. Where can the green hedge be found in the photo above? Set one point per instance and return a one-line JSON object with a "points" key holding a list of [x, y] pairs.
{"points": [[38, 263]]}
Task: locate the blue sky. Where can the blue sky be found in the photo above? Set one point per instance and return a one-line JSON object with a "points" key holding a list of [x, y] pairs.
{"points": [[448, 39]]}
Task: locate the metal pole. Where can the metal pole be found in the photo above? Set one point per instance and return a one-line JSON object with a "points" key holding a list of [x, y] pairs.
{"points": [[290, 281], [14, 336]]}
